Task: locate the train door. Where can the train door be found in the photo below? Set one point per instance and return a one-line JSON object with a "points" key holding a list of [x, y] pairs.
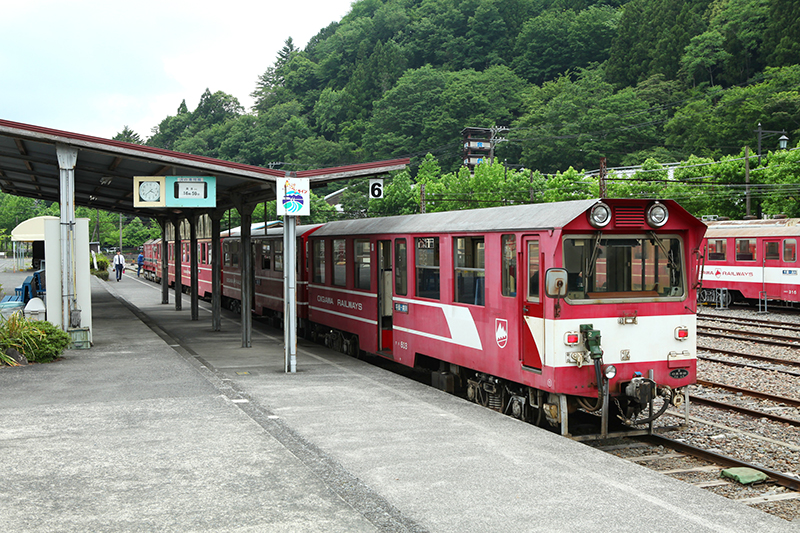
{"points": [[385, 295], [532, 303], [771, 269]]}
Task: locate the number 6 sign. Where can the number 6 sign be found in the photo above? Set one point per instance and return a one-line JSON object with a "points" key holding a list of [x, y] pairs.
{"points": [[376, 188]]}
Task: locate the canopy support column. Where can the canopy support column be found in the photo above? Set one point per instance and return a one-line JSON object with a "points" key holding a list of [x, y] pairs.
{"points": [[216, 272], [193, 266], [164, 262], [176, 225], [67, 158]]}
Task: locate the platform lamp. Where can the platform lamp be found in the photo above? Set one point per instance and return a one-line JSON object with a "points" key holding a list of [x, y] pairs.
{"points": [[783, 140]]}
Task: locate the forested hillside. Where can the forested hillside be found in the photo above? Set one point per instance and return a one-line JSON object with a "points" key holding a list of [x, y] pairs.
{"points": [[576, 79]]}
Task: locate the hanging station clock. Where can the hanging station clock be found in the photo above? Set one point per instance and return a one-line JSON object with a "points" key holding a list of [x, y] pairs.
{"points": [[148, 191]]}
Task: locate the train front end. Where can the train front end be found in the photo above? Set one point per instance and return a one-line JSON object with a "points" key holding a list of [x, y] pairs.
{"points": [[623, 302]]}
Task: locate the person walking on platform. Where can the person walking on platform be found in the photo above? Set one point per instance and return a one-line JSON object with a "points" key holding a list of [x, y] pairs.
{"points": [[139, 263], [119, 264]]}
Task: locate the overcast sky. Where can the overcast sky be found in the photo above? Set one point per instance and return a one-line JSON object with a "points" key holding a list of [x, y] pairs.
{"points": [[95, 66]]}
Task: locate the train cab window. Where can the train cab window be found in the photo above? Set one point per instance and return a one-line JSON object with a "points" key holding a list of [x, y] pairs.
{"points": [[789, 250], [277, 246], [600, 267], [717, 249], [266, 255], [746, 250], [772, 251], [234, 253], [533, 271], [319, 262], [400, 267], [339, 262], [362, 264], [427, 267], [509, 260], [469, 261]]}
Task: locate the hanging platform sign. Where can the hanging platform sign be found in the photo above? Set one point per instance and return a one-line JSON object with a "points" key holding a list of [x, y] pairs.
{"points": [[175, 191], [293, 196]]}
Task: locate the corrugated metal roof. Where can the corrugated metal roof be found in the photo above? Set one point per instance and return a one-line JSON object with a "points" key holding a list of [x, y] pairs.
{"points": [[105, 169], [508, 218]]}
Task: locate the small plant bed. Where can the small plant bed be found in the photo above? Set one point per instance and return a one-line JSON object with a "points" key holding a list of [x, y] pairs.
{"points": [[30, 341]]}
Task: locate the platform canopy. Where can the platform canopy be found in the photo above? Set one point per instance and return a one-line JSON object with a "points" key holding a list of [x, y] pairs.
{"points": [[105, 170], [30, 230]]}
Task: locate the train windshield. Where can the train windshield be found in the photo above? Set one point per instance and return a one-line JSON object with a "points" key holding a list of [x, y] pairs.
{"points": [[602, 267]]}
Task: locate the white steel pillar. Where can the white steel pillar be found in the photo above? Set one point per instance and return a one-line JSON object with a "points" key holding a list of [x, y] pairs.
{"points": [[290, 293], [67, 158]]}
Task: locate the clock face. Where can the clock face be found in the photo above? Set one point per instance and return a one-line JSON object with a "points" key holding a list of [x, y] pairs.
{"points": [[149, 191]]}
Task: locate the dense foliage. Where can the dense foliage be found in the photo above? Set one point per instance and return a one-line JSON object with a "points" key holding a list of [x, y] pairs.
{"points": [[38, 340], [635, 81]]}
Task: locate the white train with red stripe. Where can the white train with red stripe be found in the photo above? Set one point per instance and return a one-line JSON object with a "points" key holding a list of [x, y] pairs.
{"points": [[751, 260], [527, 307]]}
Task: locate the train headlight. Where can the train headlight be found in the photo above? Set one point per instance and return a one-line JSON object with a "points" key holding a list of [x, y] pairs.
{"points": [[681, 333], [600, 215], [657, 215], [571, 338], [610, 371]]}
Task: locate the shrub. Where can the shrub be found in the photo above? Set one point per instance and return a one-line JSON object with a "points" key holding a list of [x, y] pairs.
{"points": [[53, 343], [102, 274], [19, 333], [39, 341], [102, 262]]}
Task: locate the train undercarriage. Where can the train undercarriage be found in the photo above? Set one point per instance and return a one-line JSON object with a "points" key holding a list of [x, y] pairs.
{"points": [[628, 414]]}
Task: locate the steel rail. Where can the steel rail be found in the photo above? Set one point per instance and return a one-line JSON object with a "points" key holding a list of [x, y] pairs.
{"points": [[781, 479], [745, 336], [744, 410], [750, 321], [755, 357], [756, 394]]}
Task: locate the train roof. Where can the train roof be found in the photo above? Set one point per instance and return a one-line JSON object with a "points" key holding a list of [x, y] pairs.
{"points": [[507, 218], [776, 227]]}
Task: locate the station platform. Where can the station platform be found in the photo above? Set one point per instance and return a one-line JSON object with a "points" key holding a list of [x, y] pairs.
{"points": [[166, 425]]}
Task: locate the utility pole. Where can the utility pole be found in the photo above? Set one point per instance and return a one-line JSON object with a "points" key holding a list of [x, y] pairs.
{"points": [[494, 140], [747, 178], [603, 191]]}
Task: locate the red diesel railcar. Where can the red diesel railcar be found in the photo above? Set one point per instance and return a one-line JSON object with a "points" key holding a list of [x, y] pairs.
{"points": [[537, 310]]}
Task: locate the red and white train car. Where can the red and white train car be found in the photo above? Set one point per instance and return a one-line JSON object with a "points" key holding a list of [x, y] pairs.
{"points": [[268, 261], [152, 260], [751, 260], [537, 310]]}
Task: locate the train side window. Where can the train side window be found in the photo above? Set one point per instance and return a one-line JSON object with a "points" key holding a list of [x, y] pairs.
{"points": [[427, 263], [533, 271], [400, 267], [362, 264], [266, 255], [746, 250], [278, 247], [200, 255], [469, 270], [789, 250], [235, 253], [319, 262], [509, 272], [171, 252], [226, 254], [208, 253], [772, 251], [339, 262], [717, 249]]}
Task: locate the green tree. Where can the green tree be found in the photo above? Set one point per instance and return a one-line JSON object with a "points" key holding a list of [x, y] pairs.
{"points": [[128, 135]]}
